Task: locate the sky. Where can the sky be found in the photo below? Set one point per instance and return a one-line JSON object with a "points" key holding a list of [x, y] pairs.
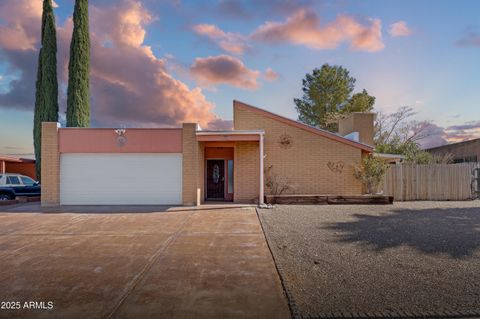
{"points": [[160, 63]]}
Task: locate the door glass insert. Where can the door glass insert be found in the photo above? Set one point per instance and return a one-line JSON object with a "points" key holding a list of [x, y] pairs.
{"points": [[216, 173]]}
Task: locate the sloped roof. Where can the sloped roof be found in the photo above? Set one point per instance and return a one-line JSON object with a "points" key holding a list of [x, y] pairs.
{"points": [[303, 126], [13, 159]]}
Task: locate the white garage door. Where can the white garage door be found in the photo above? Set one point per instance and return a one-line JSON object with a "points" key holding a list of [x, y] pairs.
{"points": [[120, 179]]}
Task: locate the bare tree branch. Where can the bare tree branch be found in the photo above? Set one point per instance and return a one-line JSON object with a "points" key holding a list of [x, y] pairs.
{"points": [[399, 125]]}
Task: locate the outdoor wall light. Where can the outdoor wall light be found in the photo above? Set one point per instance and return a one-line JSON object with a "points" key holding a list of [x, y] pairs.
{"points": [[121, 139]]}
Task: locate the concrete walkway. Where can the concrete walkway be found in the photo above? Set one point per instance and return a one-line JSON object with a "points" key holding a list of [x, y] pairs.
{"points": [[153, 264]]}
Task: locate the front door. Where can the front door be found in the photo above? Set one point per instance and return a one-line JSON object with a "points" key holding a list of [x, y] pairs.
{"points": [[216, 179]]}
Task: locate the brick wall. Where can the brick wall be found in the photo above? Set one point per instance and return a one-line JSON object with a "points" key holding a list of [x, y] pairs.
{"points": [[190, 164], [50, 165], [246, 172], [311, 164], [201, 170], [25, 168]]}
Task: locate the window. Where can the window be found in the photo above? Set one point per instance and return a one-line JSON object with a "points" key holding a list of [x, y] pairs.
{"points": [[471, 159], [230, 177], [13, 180], [466, 159], [27, 181]]}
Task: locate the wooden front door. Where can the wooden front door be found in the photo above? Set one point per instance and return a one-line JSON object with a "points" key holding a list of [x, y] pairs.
{"points": [[216, 179]]}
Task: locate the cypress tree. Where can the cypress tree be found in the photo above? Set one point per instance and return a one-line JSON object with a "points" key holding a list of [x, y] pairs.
{"points": [[46, 95], [78, 95], [37, 117], [49, 70]]}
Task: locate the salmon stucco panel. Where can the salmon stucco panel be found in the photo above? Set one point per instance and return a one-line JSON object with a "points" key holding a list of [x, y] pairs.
{"points": [[133, 140]]}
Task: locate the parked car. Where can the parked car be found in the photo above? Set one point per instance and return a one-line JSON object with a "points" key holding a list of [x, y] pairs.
{"points": [[12, 185]]}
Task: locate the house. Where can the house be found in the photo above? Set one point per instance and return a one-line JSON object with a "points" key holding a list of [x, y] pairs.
{"points": [[18, 165], [463, 152], [189, 165]]}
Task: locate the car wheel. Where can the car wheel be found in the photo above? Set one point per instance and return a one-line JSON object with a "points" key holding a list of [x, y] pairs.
{"points": [[4, 197]]}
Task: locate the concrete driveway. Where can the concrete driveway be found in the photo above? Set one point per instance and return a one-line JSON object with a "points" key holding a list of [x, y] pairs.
{"points": [[148, 263]]}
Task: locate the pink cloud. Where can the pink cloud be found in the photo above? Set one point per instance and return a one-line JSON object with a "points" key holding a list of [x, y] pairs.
{"points": [[224, 69], [437, 135], [303, 28], [129, 84], [19, 34], [270, 75], [234, 43], [399, 29]]}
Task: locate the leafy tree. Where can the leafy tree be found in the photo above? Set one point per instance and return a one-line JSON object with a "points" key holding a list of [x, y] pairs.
{"points": [[78, 92], [410, 149], [359, 102], [46, 94], [327, 94], [371, 172]]}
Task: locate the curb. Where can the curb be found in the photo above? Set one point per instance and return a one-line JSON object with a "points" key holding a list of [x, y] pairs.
{"points": [[291, 301]]}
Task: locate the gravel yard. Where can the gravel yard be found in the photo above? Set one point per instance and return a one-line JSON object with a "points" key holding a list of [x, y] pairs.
{"points": [[406, 258]]}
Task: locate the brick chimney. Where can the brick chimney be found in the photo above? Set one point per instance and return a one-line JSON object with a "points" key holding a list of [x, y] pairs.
{"points": [[359, 123]]}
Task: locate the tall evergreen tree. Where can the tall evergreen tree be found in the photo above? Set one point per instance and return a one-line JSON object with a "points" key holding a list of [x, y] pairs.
{"points": [[46, 95], [37, 118], [328, 93], [78, 95]]}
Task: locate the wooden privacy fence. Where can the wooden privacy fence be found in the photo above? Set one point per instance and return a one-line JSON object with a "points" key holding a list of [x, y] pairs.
{"points": [[429, 182]]}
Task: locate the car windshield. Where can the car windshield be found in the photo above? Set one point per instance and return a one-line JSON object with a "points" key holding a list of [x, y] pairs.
{"points": [[27, 181]]}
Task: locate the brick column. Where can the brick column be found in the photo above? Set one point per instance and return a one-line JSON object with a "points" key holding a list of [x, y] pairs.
{"points": [[50, 166], [190, 164]]}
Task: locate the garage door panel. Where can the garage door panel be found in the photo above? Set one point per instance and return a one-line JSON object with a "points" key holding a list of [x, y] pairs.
{"points": [[108, 179]]}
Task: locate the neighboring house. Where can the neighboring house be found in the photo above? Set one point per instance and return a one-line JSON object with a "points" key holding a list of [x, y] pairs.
{"points": [[11, 164], [463, 152], [188, 165]]}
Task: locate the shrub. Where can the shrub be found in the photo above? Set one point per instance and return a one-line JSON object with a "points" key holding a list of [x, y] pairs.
{"points": [[371, 172], [275, 184]]}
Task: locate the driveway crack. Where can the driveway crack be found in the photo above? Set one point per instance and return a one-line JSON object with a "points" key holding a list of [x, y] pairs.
{"points": [[152, 260]]}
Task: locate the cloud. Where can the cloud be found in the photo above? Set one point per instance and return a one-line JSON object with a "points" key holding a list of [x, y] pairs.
{"points": [[399, 29], [474, 125], [224, 69], [128, 83], [270, 75], [438, 135], [469, 39], [19, 34], [435, 136], [303, 28], [234, 43]]}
